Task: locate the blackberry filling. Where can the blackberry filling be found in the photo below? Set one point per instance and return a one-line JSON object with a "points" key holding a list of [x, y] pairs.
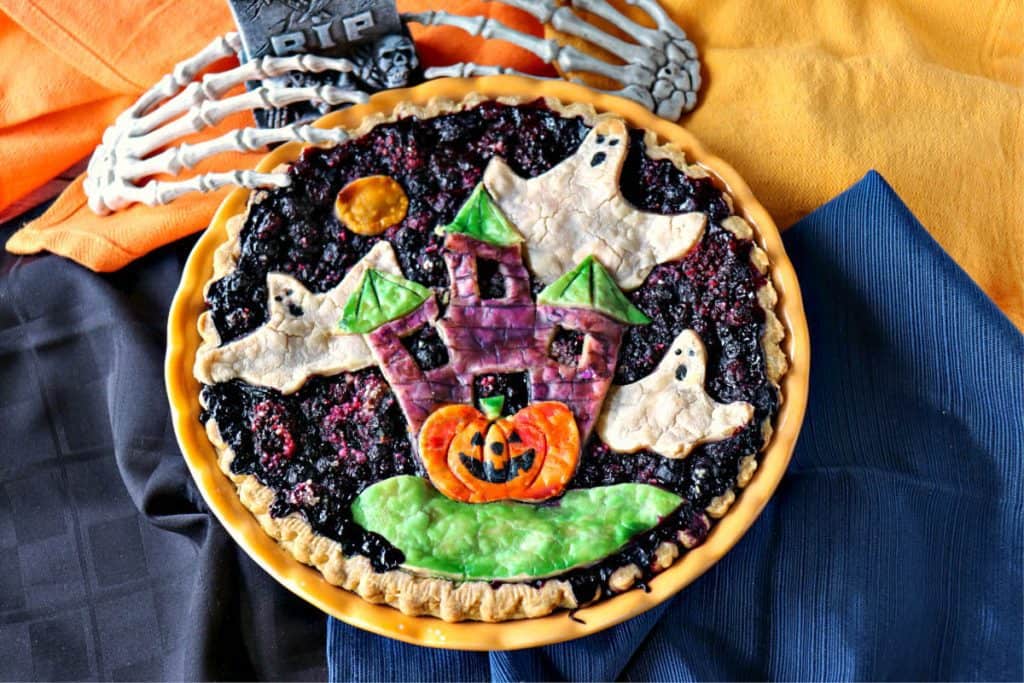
{"points": [[491, 281], [320, 447], [567, 346], [426, 348], [514, 387]]}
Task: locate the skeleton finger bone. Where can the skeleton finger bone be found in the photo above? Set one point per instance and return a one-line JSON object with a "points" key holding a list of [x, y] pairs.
{"points": [[179, 106], [155, 192], [186, 156], [486, 27], [565, 56], [468, 69], [663, 21], [215, 85], [642, 34], [211, 112], [228, 45], [562, 18]]}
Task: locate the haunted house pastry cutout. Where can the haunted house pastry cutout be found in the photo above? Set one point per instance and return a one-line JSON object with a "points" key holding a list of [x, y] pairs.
{"points": [[493, 467], [508, 334]]}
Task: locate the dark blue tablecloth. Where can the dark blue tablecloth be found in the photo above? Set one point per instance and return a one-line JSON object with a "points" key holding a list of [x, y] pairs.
{"points": [[893, 547], [111, 567]]}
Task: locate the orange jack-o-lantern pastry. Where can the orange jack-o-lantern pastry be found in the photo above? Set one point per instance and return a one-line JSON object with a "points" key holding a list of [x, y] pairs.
{"points": [[478, 457]]}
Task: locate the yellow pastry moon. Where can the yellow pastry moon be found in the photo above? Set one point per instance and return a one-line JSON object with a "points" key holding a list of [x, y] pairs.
{"points": [[371, 205]]}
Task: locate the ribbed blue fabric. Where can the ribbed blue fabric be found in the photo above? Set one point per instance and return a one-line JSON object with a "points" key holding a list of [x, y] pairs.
{"points": [[893, 547]]}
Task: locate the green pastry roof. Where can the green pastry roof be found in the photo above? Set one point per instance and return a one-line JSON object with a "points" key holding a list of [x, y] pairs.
{"points": [[589, 285], [481, 219], [380, 298]]}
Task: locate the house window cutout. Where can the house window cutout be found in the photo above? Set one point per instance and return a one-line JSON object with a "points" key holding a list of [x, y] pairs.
{"points": [[567, 346], [490, 279], [514, 386], [427, 348]]}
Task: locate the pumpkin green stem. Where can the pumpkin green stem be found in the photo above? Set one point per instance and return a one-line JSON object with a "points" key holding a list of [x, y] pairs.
{"points": [[492, 406]]}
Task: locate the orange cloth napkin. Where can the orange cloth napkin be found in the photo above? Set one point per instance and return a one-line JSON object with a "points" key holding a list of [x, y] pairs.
{"points": [[74, 66], [802, 98]]}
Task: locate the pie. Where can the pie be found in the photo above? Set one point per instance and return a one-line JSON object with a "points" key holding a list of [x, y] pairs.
{"points": [[490, 358]]}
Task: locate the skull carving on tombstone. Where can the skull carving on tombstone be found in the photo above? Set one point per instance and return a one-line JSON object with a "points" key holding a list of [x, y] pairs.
{"points": [[389, 62]]}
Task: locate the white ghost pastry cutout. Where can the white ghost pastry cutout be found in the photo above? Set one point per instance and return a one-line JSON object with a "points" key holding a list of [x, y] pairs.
{"points": [[300, 338], [577, 209], [669, 412]]}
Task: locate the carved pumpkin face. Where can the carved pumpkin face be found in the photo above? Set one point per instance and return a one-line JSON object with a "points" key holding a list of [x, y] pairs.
{"points": [[476, 457]]}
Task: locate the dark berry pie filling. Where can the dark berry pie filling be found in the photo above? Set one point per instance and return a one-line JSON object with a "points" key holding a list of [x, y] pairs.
{"points": [[320, 447]]}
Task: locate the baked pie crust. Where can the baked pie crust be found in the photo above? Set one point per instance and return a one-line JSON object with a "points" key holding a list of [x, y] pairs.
{"points": [[412, 592]]}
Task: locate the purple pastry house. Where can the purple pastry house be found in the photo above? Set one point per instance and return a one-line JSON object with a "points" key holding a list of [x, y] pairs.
{"points": [[510, 333]]}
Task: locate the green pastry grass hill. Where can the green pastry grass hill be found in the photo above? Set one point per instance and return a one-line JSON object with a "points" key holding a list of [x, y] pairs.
{"points": [[507, 539]]}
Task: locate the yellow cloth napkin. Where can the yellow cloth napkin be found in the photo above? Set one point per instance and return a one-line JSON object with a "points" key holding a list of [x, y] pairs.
{"points": [[929, 94], [802, 98]]}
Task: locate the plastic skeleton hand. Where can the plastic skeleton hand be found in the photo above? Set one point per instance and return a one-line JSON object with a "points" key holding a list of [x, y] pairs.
{"points": [[178, 106], [661, 72], [661, 69]]}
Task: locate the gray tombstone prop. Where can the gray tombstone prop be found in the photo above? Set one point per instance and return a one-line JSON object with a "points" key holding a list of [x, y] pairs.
{"points": [[367, 32]]}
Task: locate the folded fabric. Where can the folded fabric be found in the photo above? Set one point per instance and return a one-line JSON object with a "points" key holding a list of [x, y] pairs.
{"points": [[891, 550], [802, 100], [78, 68], [111, 566]]}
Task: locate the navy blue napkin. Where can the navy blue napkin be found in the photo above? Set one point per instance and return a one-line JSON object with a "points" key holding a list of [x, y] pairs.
{"points": [[893, 547], [111, 566]]}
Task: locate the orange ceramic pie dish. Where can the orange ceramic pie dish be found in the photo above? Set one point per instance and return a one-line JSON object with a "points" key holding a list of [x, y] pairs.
{"points": [[511, 353]]}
